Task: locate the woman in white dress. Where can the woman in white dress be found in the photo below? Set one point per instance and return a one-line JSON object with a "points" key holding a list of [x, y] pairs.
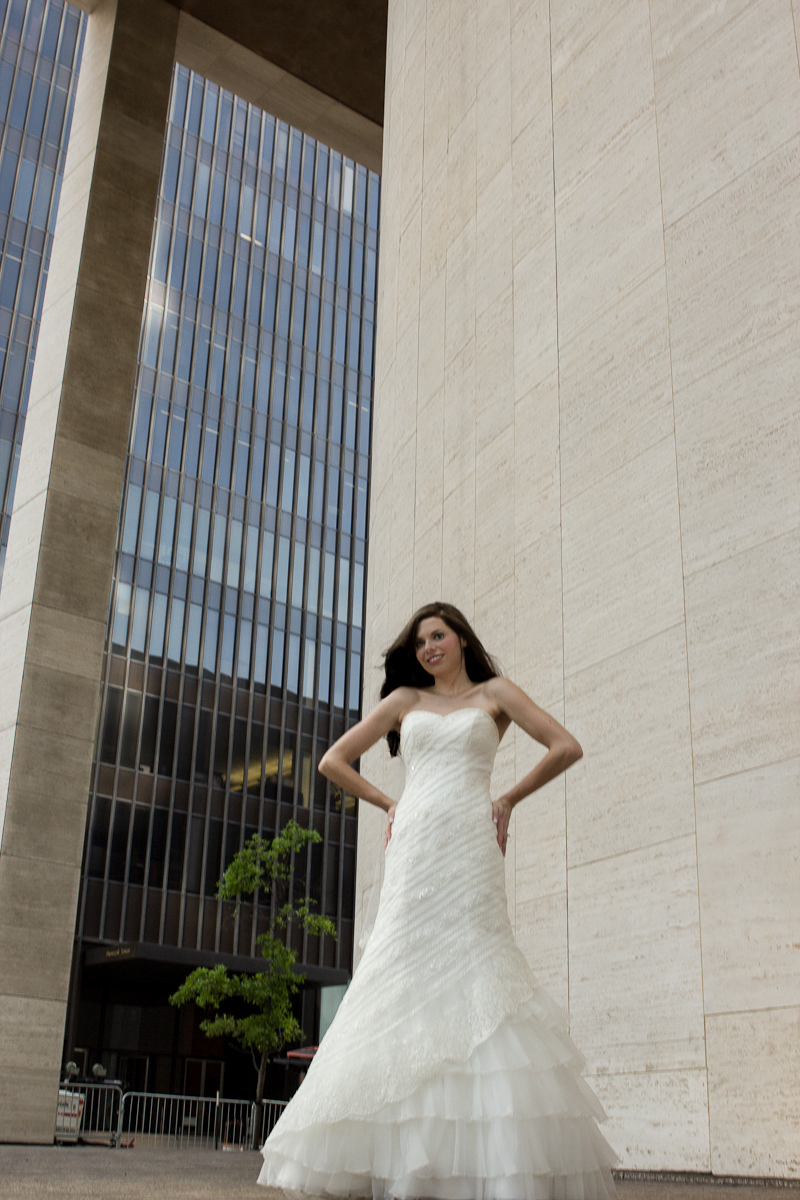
{"points": [[448, 1072]]}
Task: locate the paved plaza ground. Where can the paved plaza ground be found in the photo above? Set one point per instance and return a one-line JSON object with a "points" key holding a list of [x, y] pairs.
{"points": [[94, 1173]]}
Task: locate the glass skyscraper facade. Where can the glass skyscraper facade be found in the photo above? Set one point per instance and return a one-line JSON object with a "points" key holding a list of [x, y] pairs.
{"points": [[40, 47], [234, 654]]}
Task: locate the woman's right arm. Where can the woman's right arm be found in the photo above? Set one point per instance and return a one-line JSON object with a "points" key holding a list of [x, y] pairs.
{"points": [[335, 762]]}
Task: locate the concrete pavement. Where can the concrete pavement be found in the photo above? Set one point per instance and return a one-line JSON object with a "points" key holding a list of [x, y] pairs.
{"points": [[98, 1173]]}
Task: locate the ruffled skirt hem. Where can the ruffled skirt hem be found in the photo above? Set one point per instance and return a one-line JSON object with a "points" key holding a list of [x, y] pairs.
{"points": [[514, 1122]]}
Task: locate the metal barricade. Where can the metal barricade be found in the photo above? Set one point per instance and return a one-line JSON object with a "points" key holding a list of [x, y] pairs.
{"points": [[160, 1121], [88, 1112], [270, 1111], [100, 1114]]}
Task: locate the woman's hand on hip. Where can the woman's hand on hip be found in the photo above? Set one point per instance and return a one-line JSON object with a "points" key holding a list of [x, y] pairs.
{"points": [[389, 823], [501, 814]]}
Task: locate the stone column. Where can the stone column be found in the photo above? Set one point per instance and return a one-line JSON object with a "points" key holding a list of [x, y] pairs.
{"points": [[586, 435], [56, 585]]}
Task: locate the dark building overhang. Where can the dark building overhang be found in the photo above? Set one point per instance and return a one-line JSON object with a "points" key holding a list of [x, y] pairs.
{"points": [[336, 46], [120, 954]]}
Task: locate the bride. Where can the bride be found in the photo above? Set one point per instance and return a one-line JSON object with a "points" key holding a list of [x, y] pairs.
{"points": [[448, 1072]]}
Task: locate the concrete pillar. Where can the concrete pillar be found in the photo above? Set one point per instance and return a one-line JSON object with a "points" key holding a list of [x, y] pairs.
{"points": [[584, 434], [54, 601]]}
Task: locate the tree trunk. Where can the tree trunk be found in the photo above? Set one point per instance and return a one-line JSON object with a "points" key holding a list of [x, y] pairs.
{"points": [[262, 1071], [259, 1121]]}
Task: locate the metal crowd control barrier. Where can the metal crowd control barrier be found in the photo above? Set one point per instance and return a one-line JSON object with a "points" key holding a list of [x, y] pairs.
{"points": [[89, 1112], [101, 1114]]}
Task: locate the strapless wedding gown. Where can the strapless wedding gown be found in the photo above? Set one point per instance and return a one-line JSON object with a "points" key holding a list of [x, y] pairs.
{"points": [[447, 1072]]}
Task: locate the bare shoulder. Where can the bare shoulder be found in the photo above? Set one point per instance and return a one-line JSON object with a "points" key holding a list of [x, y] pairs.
{"points": [[504, 693], [405, 698]]}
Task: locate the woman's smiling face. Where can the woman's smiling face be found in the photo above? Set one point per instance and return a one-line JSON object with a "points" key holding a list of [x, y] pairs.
{"points": [[438, 648]]}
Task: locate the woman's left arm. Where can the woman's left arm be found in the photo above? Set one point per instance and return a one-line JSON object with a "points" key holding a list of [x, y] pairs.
{"points": [[562, 748]]}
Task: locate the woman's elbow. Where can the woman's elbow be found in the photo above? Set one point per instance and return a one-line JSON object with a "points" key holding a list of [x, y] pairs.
{"points": [[571, 751], [324, 766]]}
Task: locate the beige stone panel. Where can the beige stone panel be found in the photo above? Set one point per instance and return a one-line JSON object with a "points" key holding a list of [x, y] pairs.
{"points": [[494, 370], [727, 105], [733, 273], [493, 617], [753, 1099], [532, 184], [494, 240], [408, 293], [574, 24], [437, 32], [459, 418], [635, 977], [72, 218], [462, 82], [64, 641], [541, 843], [530, 62], [386, 316], [55, 762], [630, 713], [379, 557], [118, 233], [541, 933], [430, 367], [607, 249], [737, 431], [537, 478], [615, 387], [603, 96], [430, 455], [462, 188], [78, 526], [31, 1036], [413, 125], [538, 636], [76, 585], [58, 702], [493, 147], [92, 370], [234, 66], [433, 249], [622, 559], [494, 529], [744, 659], [24, 555], [402, 534], [428, 565], [657, 1120], [6, 752], [492, 34], [47, 915], [40, 438], [536, 353], [458, 544], [404, 391], [680, 26], [748, 850], [382, 439], [12, 667], [460, 301]]}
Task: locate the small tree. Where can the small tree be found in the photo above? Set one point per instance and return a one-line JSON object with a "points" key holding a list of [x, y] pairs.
{"points": [[262, 866]]}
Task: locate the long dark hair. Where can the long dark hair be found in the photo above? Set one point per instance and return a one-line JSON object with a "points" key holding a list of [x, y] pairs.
{"points": [[403, 669]]}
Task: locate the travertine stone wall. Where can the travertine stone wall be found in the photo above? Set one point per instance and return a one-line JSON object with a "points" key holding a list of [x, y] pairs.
{"points": [[54, 602], [586, 435]]}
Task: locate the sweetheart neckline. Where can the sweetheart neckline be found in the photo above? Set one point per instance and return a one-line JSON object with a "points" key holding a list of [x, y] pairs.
{"points": [[452, 713]]}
